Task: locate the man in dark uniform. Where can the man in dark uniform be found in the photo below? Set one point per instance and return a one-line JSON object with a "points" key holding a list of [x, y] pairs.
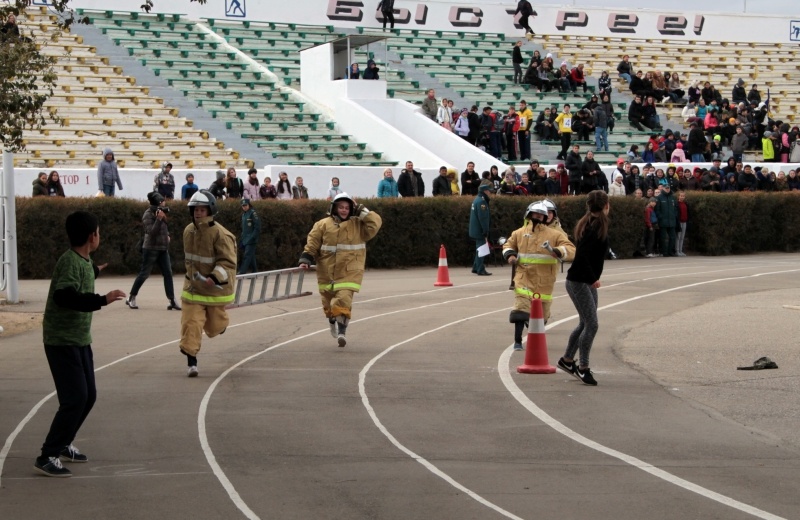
{"points": [[479, 224]]}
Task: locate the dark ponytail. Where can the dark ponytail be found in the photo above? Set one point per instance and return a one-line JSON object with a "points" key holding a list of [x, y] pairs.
{"points": [[595, 217]]}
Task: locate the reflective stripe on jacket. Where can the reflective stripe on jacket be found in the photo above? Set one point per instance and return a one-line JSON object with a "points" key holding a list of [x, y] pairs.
{"points": [[536, 267], [209, 249], [340, 251]]}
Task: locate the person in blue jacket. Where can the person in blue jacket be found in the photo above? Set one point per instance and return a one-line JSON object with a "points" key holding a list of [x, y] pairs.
{"points": [[388, 186], [190, 188], [479, 224]]}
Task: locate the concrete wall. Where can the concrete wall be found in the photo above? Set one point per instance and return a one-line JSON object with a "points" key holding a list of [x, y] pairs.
{"points": [[411, 122], [359, 182], [362, 110], [710, 20]]}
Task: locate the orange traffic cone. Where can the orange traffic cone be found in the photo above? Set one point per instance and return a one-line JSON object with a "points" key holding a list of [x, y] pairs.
{"points": [[536, 349], [443, 277]]}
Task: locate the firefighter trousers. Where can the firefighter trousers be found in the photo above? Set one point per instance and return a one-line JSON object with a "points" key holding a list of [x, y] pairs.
{"points": [[337, 303], [196, 318]]}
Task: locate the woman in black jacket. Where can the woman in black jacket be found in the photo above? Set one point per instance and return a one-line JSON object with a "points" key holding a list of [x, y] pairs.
{"points": [[234, 188], [54, 187], [583, 280], [590, 174]]}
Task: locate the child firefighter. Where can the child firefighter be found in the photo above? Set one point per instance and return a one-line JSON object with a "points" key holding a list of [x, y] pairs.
{"points": [[210, 255], [536, 265], [337, 244]]}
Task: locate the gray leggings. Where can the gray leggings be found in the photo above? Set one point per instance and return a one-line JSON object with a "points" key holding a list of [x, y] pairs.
{"points": [[584, 297], [681, 236]]}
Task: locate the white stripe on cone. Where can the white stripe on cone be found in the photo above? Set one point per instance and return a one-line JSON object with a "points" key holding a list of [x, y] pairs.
{"points": [[442, 262], [536, 326]]}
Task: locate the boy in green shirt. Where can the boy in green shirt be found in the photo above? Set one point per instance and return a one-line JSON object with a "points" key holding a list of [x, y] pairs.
{"points": [[67, 342]]}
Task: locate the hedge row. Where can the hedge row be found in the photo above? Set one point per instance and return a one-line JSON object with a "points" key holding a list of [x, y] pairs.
{"points": [[412, 231]]}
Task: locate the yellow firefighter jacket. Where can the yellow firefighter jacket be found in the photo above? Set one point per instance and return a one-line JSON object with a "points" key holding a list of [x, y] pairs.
{"points": [[209, 249], [340, 250], [536, 267], [556, 224]]}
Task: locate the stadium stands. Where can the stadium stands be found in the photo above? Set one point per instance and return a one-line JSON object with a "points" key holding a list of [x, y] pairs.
{"points": [[479, 68], [247, 75], [258, 103], [100, 108], [771, 66]]}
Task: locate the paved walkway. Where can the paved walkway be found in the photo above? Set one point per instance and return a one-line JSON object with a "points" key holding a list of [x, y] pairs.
{"points": [[423, 415]]}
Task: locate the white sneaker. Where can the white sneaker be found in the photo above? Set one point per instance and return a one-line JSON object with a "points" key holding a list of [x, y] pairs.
{"points": [[342, 340], [131, 302], [333, 329], [192, 371], [651, 255]]}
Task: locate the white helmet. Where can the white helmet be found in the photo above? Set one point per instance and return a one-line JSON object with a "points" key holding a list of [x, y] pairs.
{"points": [[551, 206], [203, 198], [340, 197], [538, 208]]}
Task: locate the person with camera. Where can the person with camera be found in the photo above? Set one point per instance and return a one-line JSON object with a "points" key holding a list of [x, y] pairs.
{"points": [[155, 248]]}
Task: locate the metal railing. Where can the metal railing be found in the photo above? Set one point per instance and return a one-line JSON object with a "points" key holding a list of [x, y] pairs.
{"points": [[269, 286]]}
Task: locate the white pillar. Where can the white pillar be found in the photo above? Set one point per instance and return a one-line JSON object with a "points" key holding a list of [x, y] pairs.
{"points": [[10, 231]]}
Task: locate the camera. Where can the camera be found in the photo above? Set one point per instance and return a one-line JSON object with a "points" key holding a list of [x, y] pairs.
{"points": [[164, 210]]}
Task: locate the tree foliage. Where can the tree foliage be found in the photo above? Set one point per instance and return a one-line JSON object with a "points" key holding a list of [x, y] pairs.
{"points": [[27, 75], [28, 80]]}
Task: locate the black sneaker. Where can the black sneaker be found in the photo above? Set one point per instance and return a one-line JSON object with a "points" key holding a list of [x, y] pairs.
{"points": [[568, 367], [71, 454], [51, 466], [586, 376]]}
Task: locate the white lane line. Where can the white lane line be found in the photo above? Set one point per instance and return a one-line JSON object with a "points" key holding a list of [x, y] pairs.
{"points": [[201, 416], [25, 420], [428, 465], [12, 437], [519, 395]]}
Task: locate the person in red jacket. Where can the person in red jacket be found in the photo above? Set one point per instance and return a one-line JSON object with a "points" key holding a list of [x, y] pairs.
{"points": [[563, 178], [683, 221], [576, 78], [651, 226], [510, 128]]}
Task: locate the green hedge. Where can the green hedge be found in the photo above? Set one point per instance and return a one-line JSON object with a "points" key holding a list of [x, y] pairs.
{"points": [[412, 229]]}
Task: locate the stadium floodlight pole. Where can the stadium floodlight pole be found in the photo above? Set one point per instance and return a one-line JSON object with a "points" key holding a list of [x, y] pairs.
{"points": [[10, 231]]}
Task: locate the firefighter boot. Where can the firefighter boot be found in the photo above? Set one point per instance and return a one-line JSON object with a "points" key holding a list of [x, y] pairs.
{"points": [[332, 322], [341, 329]]}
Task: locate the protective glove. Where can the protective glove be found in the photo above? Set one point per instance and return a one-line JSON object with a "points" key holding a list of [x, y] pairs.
{"points": [[361, 210]]}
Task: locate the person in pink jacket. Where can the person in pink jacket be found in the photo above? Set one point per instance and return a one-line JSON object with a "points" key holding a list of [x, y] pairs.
{"points": [[711, 122], [785, 143], [251, 186], [678, 155]]}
